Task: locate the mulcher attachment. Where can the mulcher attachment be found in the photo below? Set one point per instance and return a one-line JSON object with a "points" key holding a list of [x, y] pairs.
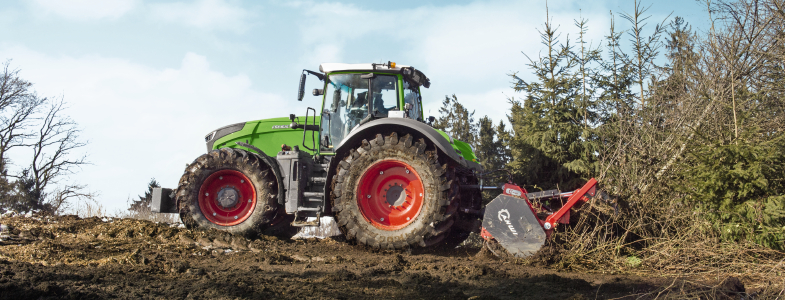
{"points": [[514, 225], [511, 219]]}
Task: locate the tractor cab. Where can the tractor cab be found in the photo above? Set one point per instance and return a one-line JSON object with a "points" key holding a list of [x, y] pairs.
{"points": [[355, 94]]}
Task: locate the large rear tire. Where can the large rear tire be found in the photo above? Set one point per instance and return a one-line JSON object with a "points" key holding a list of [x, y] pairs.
{"points": [[392, 194], [229, 190]]}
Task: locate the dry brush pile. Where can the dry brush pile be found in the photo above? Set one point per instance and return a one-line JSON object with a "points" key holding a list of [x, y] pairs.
{"points": [[682, 127], [693, 150]]}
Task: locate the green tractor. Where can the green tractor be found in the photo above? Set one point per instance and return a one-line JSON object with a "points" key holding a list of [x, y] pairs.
{"points": [[367, 158]]}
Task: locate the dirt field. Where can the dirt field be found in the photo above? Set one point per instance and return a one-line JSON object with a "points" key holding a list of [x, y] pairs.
{"points": [[68, 257]]}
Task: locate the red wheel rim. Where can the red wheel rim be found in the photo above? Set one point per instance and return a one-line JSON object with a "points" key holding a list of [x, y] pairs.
{"points": [[227, 198], [390, 195]]}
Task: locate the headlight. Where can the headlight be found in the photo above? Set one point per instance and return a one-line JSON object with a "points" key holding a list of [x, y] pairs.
{"points": [[219, 133]]}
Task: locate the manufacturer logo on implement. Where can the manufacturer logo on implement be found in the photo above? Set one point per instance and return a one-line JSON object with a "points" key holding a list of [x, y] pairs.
{"points": [[513, 192], [504, 216]]}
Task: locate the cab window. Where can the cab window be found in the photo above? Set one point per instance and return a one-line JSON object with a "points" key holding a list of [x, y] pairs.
{"points": [[412, 96], [385, 94], [350, 98]]}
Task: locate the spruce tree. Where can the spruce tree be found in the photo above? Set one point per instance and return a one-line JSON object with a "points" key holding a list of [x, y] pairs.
{"points": [[549, 142], [740, 189], [585, 59], [456, 120], [489, 150], [503, 137], [21, 194], [613, 79], [142, 205], [645, 49]]}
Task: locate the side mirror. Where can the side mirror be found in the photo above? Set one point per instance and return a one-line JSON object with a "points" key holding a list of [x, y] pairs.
{"points": [[318, 92], [301, 91], [291, 118]]}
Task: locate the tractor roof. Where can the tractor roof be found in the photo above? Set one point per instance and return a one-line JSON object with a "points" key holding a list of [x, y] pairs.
{"points": [[337, 67], [410, 73]]}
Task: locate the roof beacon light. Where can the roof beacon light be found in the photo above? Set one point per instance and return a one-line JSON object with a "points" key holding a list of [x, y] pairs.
{"points": [[392, 65]]}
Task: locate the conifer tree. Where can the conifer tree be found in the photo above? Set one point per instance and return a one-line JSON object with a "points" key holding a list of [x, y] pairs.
{"points": [[585, 58], [456, 120], [615, 100], [503, 137], [142, 205], [489, 150], [549, 142], [645, 48]]}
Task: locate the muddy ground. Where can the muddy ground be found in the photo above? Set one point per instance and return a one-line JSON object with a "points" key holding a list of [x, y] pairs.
{"points": [[69, 257]]}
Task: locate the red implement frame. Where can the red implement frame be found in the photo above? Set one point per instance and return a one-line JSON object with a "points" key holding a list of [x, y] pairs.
{"points": [[578, 195], [563, 214]]}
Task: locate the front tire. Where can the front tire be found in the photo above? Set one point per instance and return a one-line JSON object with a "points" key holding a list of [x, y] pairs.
{"points": [[229, 190], [392, 194]]}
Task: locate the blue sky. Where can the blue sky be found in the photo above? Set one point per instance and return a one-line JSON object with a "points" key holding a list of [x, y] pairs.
{"points": [[146, 80]]}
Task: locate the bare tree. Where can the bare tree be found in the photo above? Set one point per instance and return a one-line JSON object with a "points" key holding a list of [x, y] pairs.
{"points": [[53, 144], [38, 125], [17, 107]]}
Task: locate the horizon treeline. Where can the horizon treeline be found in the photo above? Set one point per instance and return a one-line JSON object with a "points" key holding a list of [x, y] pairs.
{"points": [[669, 119]]}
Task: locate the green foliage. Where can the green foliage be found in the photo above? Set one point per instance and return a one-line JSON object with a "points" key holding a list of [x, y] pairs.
{"points": [[741, 189], [142, 205], [634, 261], [584, 59], [630, 116], [491, 150], [22, 195], [551, 145], [613, 80], [645, 49], [456, 120]]}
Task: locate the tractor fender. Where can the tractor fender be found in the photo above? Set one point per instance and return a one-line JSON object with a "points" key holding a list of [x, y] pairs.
{"points": [[274, 166], [402, 126]]}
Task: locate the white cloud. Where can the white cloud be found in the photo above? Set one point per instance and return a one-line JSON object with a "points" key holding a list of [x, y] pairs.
{"points": [[203, 14], [82, 10], [143, 122], [338, 22], [321, 53]]}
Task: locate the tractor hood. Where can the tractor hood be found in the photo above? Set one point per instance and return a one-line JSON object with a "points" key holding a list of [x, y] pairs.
{"points": [[267, 134]]}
